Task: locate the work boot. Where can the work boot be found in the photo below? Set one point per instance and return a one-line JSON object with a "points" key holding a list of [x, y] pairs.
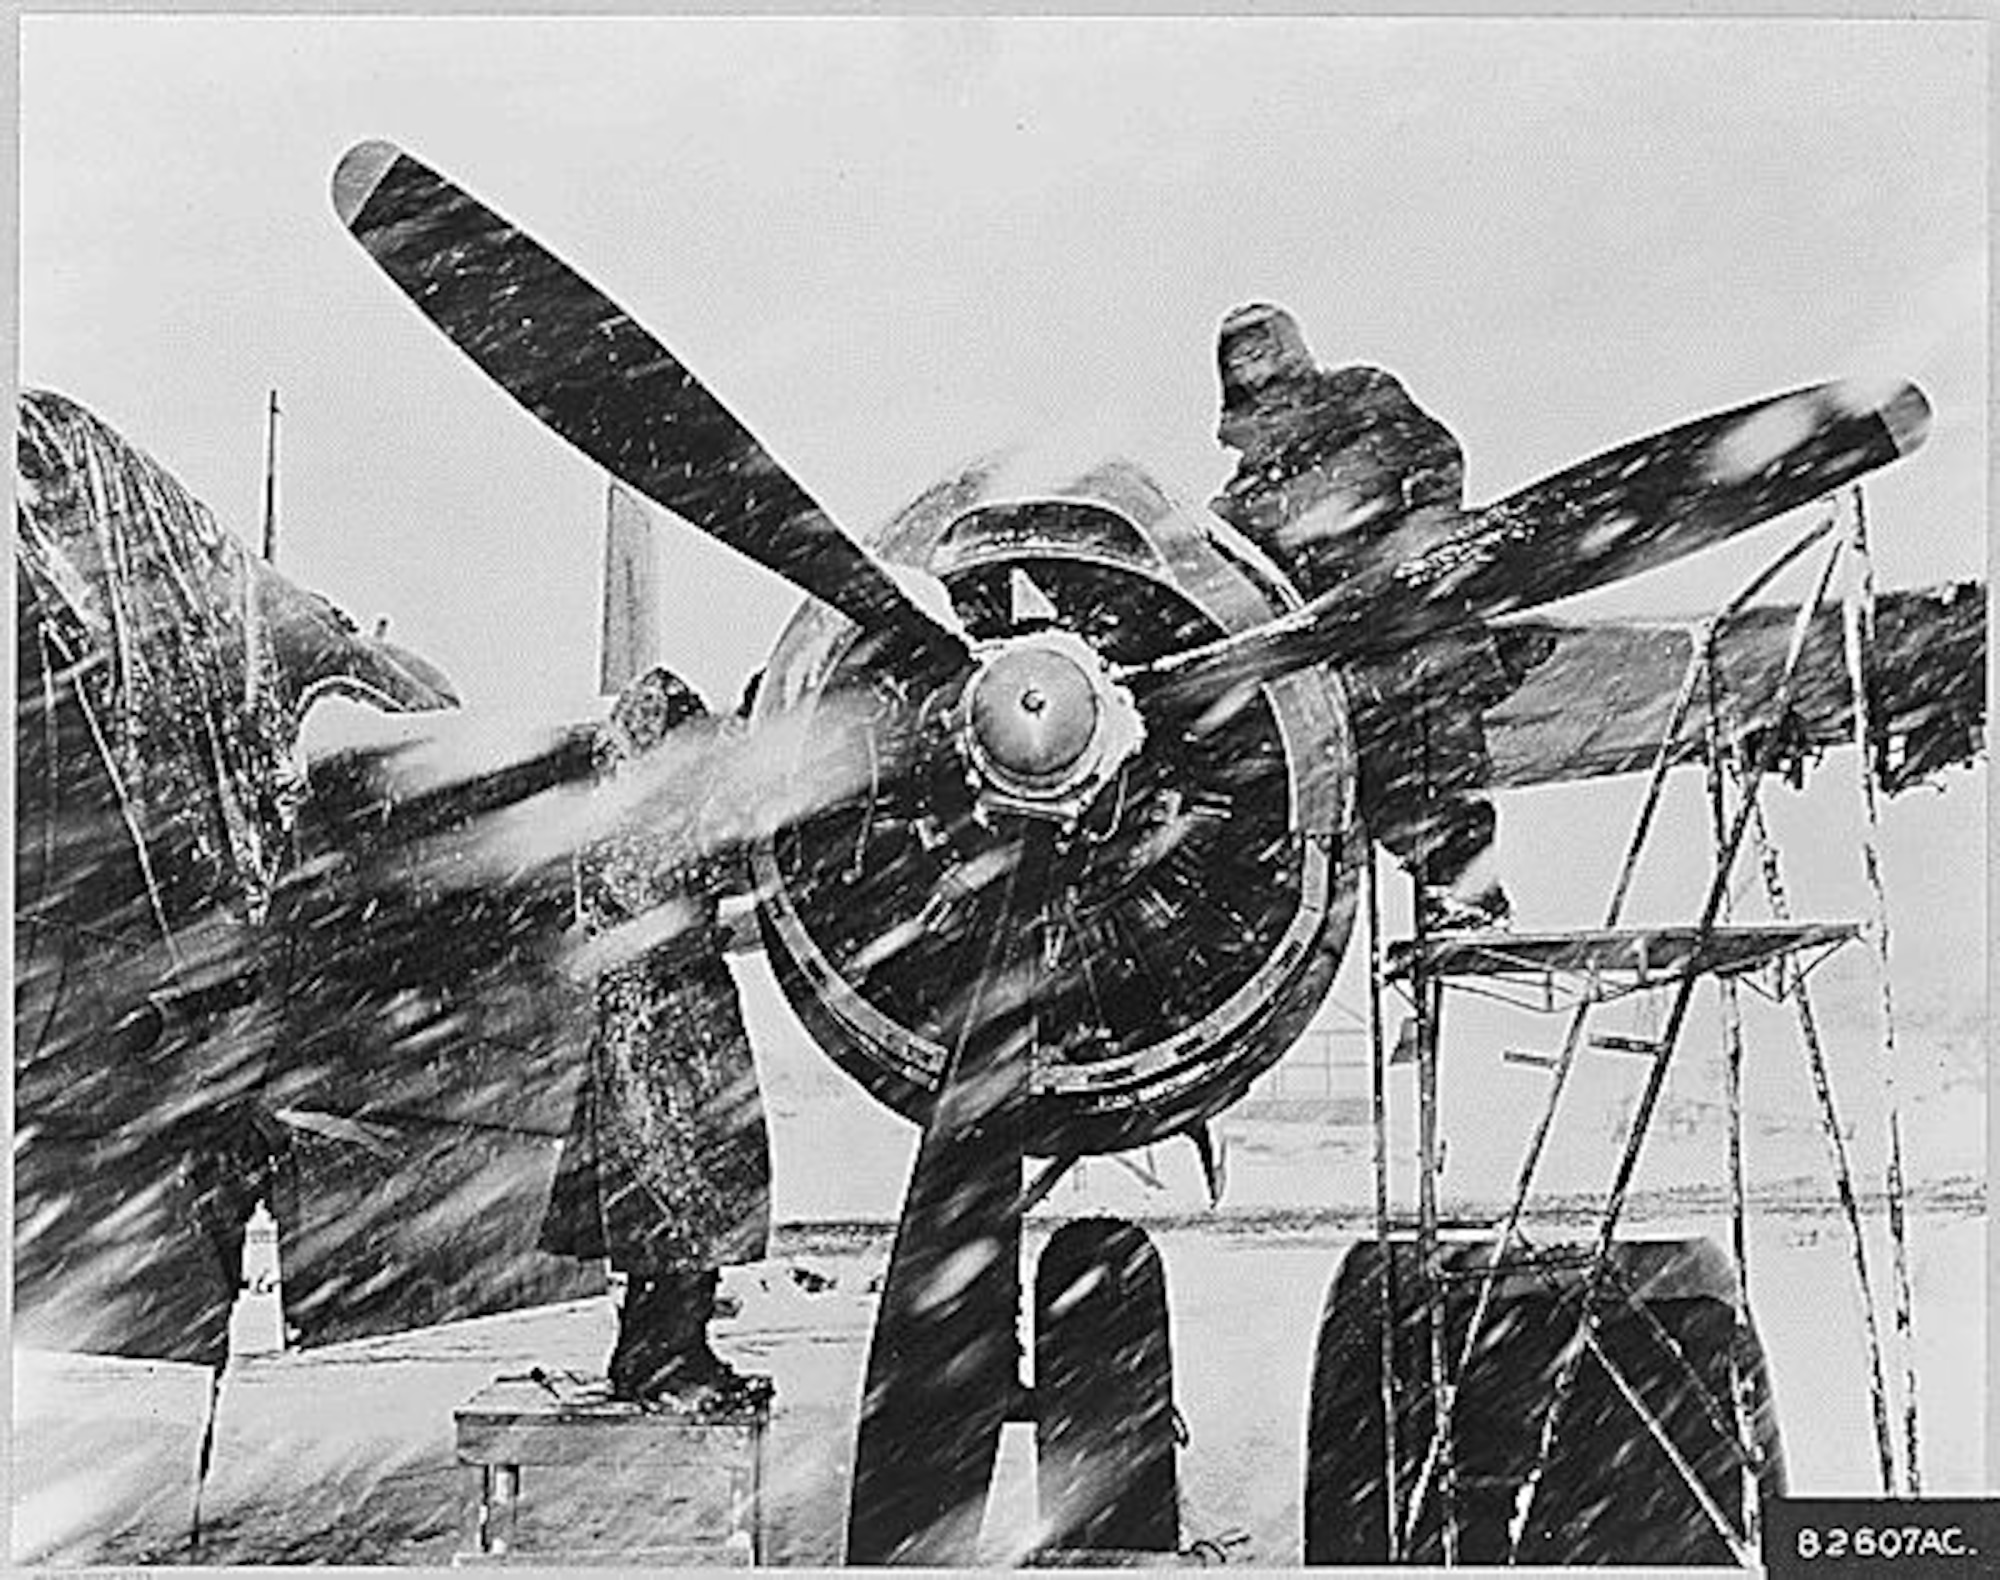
{"points": [[663, 1351]]}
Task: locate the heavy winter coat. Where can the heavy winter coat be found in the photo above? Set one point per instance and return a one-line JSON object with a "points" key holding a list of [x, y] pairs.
{"points": [[1340, 473], [666, 1167]]}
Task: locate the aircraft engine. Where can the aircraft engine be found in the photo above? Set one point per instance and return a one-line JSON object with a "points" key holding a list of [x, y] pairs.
{"points": [[1203, 883]]}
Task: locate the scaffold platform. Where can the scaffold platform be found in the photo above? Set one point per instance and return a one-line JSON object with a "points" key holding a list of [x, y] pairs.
{"points": [[1607, 963]]}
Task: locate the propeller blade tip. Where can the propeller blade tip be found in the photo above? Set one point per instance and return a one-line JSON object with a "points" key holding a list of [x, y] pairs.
{"points": [[1907, 416], [357, 175], [1902, 409]]}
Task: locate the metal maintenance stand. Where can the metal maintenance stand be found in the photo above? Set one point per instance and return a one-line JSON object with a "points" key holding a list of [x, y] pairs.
{"points": [[1599, 1288]]}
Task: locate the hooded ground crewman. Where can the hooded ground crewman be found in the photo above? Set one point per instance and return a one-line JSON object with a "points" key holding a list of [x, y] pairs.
{"points": [[1339, 471], [666, 1167]]}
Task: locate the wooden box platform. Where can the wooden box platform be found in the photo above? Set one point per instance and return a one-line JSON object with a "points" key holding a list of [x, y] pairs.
{"points": [[614, 1482]]}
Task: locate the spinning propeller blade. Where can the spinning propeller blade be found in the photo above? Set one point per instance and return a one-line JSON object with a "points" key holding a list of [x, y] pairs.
{"points": [[576, 360], [1634, 508], [944, 1368]]}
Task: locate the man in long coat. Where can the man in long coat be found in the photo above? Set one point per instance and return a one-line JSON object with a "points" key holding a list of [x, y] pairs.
{"points": [[666, 1167], [1340, 471]]}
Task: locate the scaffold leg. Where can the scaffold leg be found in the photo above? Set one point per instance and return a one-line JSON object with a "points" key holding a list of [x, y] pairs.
{"points": [[1656, 1078], [1378, 1095], [1732, 1039]]}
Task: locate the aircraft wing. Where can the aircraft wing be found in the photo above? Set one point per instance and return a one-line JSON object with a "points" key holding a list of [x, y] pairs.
{"points": [[1596, 699], [438, 1009], [433, 1040]]}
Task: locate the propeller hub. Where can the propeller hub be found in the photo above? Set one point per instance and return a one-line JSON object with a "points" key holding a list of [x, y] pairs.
{"points": [[1044, 725], [1033, 713]]}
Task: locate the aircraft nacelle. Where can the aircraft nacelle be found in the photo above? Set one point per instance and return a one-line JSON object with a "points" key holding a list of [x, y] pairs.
{"points": [[1204, 882]]}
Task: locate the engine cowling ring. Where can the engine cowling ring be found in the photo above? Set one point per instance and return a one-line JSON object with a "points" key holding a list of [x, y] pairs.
{"points": [[1200, 905]]}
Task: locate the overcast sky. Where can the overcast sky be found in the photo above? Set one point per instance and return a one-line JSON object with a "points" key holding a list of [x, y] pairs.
{"points": [[893, 244], [890, 245]]}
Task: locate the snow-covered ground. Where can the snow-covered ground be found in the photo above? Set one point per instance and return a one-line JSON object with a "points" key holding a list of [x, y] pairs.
{"points": [[345, 1454]]}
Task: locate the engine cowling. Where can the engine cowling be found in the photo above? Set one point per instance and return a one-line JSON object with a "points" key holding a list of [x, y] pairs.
{"points": [[1205, 871]]}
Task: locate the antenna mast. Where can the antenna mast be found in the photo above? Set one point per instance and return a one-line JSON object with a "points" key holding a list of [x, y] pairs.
{"points": [[271, 481]]}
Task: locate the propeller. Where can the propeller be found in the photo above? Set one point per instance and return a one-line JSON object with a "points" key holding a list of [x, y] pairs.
{"points": [[581, 364], [944, 1360], [1631, 509]]}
